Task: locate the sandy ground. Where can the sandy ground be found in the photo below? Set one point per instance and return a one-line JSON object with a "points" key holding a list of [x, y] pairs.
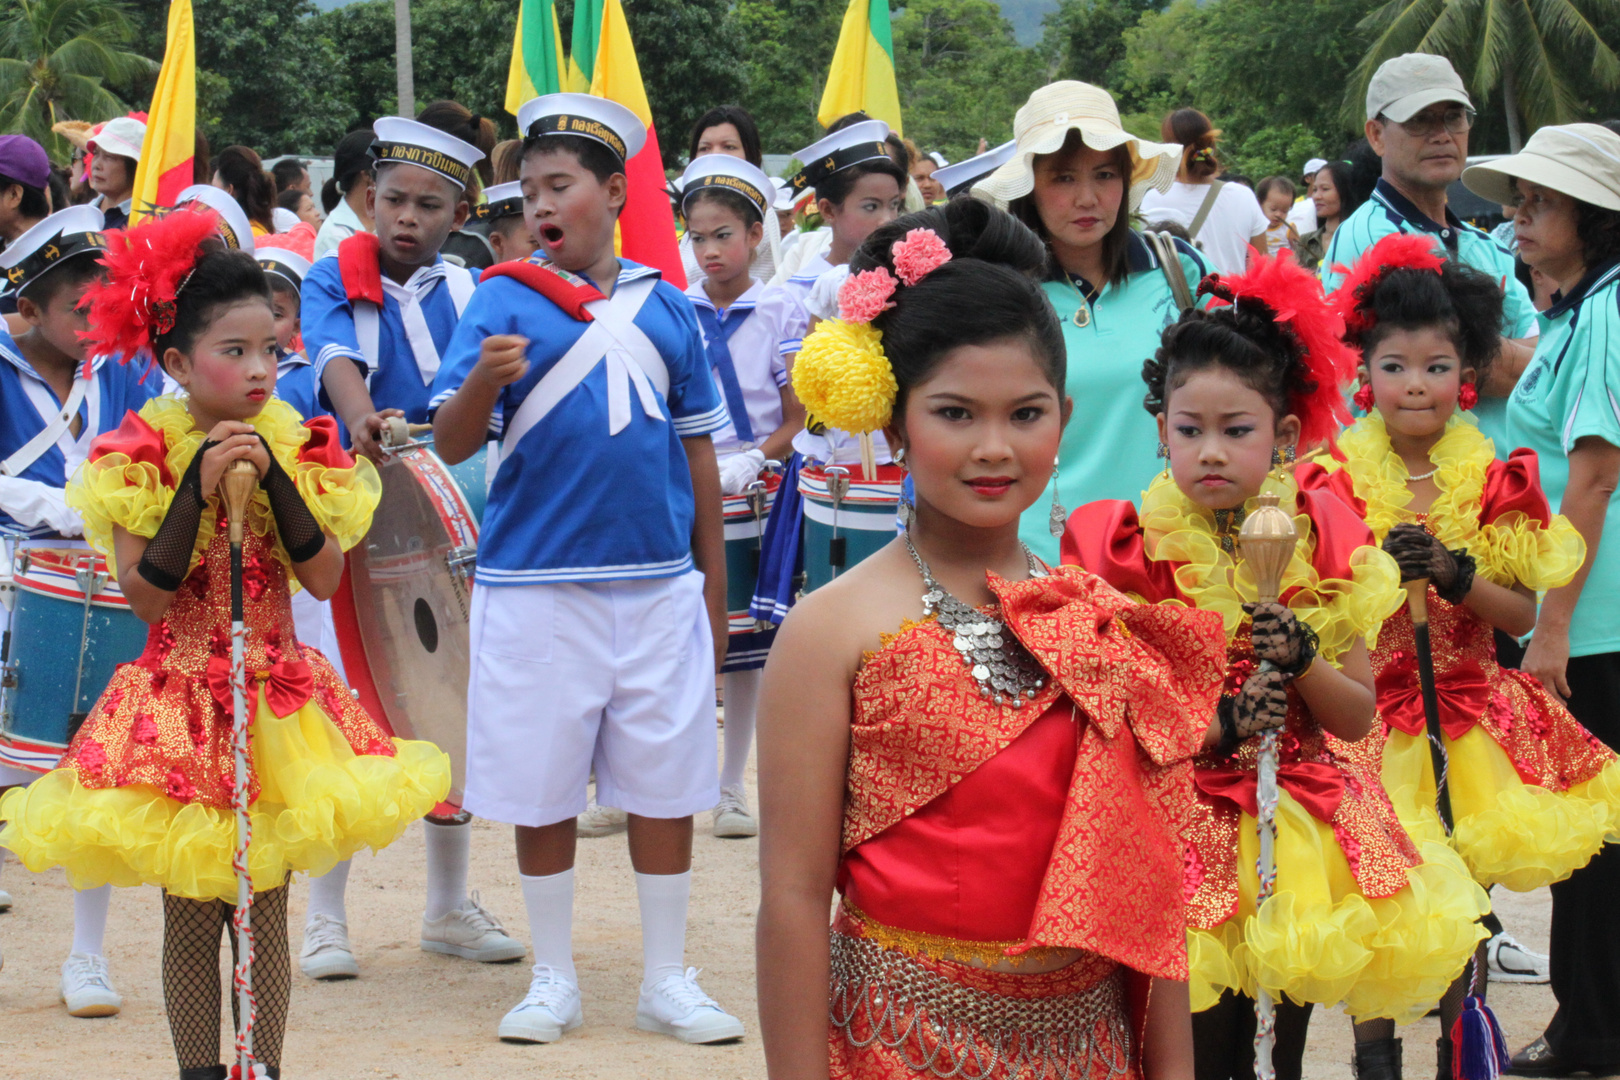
{"points": [[415, 1014]]}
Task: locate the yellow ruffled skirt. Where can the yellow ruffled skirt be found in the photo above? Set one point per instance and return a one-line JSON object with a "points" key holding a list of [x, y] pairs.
{"points": [[319, 803], [1508, 832], [1318, 939]]}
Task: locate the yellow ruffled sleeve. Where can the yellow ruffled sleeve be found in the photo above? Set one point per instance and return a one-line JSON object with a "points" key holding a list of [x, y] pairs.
{"points": [[1518, 549], [341, 499], [125, 482], [1341, 610]]}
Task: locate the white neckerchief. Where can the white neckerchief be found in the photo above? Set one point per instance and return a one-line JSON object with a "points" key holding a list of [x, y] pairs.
{"points": [[409, 296]]}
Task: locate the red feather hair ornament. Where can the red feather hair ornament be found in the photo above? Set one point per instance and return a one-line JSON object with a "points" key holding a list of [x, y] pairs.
{"points": [[1293, 298], [1398, 251], [146, 267]]}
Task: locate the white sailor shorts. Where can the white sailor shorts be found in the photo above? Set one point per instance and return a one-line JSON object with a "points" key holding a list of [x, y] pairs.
{"points": [[567, 677]]}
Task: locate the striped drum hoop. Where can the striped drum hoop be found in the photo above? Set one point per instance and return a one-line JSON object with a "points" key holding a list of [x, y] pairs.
{"points": [[745, 517], [70, 628], [838, 533]]}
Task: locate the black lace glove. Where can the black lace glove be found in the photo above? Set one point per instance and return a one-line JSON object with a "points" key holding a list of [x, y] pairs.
{"points": [[1281, 639], [167, 558], [300, 534], [1261, 705], [1420, 554]]}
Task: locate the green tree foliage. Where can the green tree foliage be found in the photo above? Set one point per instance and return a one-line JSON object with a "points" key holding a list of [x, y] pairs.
{"points": [[59, 60], [1536, 52], [787, 46], [690, 52], [1088, 37]]}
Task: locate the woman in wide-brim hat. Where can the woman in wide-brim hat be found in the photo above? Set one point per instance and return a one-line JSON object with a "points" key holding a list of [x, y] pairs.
{"points": [[1565, 185], [1076, 177]]}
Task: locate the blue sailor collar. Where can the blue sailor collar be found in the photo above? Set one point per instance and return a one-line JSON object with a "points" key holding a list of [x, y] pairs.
{"points": [[13, 354], [285, 359], [748, 300]]}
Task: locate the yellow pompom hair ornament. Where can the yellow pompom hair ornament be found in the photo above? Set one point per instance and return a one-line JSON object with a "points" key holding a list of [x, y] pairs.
{"points": [[843, 378]]}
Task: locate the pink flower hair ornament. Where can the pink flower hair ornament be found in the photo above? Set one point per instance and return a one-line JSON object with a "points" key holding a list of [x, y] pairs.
{"points": [[919, 254], [866, 295]]}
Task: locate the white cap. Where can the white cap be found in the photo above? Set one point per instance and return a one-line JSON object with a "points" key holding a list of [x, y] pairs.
{"points": [[838, 151], [1578, 160], [1314, 166], [785, 196], [401, 140], [283, 263], [595, 118], [732, 174], [500, 200], [940, 160], [47, 244], [975, 168], [233, 220], [1405, 85], [122, 135]]}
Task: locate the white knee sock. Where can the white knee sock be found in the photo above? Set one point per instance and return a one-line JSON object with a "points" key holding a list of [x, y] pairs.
{"points": [[449, 847], [326, 893], [663, 899], [742, 704], [550, 903], [90, 919]]}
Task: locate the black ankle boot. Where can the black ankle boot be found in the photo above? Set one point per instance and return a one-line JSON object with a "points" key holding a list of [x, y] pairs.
{"points": [[1379, 1059], [207, 1072], [1442, 1059]]}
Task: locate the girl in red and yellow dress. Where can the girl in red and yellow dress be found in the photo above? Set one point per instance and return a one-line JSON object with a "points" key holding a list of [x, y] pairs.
{"points": [[988, 759], [1533, 795], [1359, 914], [143, 794]]}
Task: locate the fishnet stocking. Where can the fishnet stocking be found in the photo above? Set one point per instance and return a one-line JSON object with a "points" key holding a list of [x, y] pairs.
{"points": [[191, 976], [1473, 980]]}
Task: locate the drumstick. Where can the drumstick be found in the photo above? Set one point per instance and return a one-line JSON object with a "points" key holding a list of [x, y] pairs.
{"points": [[241, 477]]}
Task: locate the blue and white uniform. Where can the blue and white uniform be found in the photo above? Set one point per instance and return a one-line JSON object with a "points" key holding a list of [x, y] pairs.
{"points": [[295, 383], [746, 356], [590, 640]]}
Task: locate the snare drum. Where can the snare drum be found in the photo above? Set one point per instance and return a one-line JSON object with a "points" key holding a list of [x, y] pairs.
{"points": [[401, 614], [70, 628], [845, 522], [745, 517]]}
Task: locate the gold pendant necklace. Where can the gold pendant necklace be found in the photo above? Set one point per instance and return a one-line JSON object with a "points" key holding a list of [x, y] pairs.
{"points": [[1082, 313]]}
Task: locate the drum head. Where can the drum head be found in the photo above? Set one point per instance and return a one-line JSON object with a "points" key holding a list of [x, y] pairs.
{"points": [[411, 602]]}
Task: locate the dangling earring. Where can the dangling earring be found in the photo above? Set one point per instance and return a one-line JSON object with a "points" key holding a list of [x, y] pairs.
{"points": [[1060, 516], [908, 509], [1468, 397], [1364, 398], [899, 456], [1283, 456], [1164, 455]]}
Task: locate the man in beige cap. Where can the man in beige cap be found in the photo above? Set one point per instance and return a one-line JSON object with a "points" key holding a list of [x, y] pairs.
{"points": [[1418, 118]]}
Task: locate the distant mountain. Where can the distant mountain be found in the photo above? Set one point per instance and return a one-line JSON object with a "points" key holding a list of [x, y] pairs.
{"points": [[1025, 16]]}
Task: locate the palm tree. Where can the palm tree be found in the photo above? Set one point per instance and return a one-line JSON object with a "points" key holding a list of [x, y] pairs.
{"points": [[57, 58], [1523, 46]]}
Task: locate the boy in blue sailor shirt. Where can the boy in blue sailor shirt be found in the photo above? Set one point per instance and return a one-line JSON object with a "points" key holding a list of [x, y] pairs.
{"points": [[594, 639], [295, 378], [42, 373], [376, 315]]}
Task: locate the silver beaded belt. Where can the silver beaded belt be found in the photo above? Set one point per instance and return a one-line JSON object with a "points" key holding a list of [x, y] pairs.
{"points": [[945, 1029]]}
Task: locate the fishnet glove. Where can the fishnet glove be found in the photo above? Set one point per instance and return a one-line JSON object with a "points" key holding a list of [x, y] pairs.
{"points": [[300, 534], [167, 558], [1281, 639], [1262, 704], [1420, 554]]}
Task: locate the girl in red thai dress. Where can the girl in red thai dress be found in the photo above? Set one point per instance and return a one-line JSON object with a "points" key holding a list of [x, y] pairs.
{"points": [[988, 759], [143, 794], [1533, 795], [1359, 915]]}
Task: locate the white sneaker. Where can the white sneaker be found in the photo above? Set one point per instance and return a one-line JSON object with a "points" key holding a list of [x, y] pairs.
{"points": [[550, 1008], [86, 988], [598, 820], [676, 1005], [732, 821], [472, 933], [5, 900], [1510, 962], [326, 953]]}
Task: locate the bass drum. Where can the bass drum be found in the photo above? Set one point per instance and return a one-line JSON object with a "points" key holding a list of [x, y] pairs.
{"points": [[401, 613]]}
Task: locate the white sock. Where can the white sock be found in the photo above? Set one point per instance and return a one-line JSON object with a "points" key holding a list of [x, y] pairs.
{"points": [[90, 919], [663, 899], [742, 705], [550, 903], [326, 894], [449, 847]]}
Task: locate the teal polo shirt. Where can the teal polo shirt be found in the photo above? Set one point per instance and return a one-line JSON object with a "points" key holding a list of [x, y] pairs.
{"points": [[1388, 211], [1570, 391], [1110, 448]]}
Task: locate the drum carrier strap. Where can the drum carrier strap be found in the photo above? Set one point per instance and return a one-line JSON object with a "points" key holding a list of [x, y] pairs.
{"points": [[30, 452], [362, 281]]}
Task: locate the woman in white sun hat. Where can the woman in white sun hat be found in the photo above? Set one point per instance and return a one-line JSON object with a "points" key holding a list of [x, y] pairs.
{"points": [[115, 151], [1565, 184], [1076, 177]]}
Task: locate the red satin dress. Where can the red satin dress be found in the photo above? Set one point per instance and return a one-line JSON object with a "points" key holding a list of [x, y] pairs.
{"points": [[977, 833], [1534, 795]]}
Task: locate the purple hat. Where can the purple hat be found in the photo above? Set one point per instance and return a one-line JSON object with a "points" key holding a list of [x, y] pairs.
{"points": [[24, 160]]}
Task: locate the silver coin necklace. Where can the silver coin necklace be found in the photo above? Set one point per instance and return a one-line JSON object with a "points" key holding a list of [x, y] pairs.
{"points": [[1005, 671]]}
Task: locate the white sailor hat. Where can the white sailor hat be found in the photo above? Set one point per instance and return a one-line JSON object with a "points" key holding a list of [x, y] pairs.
{"points": [[838, 151], [401, 140], [785, 195], [955, 176], [732, 174], [500, 200], [233, 220], [604, 121], [66, 233], [283, 263]]}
